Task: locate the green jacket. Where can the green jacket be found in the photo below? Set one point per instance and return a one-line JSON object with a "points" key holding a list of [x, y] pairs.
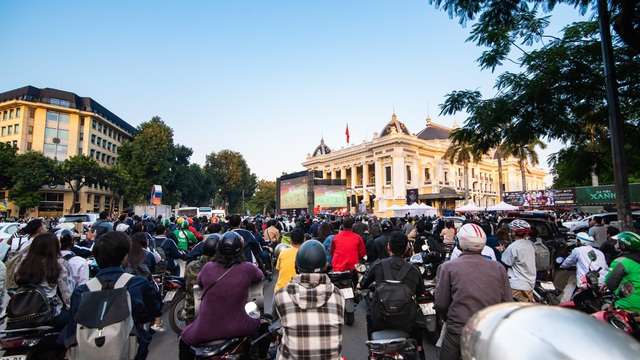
{"points": [[623, 269], [185, 237]]}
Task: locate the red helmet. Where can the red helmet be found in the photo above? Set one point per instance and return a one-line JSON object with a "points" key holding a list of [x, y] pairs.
{"points": [[520, 227]]}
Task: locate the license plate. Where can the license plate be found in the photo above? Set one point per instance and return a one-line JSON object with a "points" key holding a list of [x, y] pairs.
{"points": [[428, 309], [14, 357], [347, 293], [547, 285], [169, 295]]}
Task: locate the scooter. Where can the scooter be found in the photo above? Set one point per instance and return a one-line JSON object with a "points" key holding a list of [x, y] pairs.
{"points": [[173, 293], [427, 302], [392, 344], [619, 318], [38, 343], [343, 280]]}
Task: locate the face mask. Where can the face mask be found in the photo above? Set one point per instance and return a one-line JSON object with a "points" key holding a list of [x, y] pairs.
{"points": [[617, 246]]}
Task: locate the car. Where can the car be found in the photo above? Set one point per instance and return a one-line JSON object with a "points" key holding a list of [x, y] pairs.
{"points": [[7, 229], [610, 218], [87, 219], [457, 221]]}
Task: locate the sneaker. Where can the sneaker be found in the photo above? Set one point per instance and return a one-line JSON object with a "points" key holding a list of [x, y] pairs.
{"points": [[158, 327]]}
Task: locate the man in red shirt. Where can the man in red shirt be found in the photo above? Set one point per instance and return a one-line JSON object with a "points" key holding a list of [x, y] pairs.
{"points": [[347, 248]]}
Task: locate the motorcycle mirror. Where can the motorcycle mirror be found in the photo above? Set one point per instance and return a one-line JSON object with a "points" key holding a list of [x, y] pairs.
{"points": [[626, 289], [251, 308], [592, 255], [559, 260], [361, 268], [416, 259], [425, 247]]}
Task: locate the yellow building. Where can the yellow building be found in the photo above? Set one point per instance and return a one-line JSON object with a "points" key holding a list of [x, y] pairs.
{"points": [[61, 124], [382, 172]]}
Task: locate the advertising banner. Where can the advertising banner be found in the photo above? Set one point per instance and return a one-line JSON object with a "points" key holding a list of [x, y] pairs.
{"points": [[539, 198], [603, 195]]}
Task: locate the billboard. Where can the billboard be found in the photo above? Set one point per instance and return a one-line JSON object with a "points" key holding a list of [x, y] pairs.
{"points": [[294, 193], [329, 196], [603, 195], [538, 198]]}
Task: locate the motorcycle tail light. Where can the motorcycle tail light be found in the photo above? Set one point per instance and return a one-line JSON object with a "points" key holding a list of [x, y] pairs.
{"points": [[31, 342], [173, 285], [14, 342], [157, 280]]}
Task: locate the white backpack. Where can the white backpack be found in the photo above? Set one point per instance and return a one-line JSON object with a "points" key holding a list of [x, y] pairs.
{"points": [[104, 322]]}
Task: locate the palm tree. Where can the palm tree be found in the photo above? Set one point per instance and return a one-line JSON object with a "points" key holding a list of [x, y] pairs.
{"points": [[524, 153], [461, 152]]}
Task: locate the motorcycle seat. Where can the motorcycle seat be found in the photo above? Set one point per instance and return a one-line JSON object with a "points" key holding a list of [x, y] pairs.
{"points": [[214, 347], [32, 329], [388, 334]]}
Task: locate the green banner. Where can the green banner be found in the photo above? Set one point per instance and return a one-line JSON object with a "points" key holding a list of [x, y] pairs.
{"points": [[601, 195]]}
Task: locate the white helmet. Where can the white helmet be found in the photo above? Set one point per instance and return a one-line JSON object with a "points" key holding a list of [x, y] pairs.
{"points": [[585, 238], [471, 237]]}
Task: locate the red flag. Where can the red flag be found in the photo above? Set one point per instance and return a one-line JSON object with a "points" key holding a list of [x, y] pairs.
{"points": [[347, 133]]}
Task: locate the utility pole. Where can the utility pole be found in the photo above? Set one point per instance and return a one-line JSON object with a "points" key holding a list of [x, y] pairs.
{"points": [[616, 123]]}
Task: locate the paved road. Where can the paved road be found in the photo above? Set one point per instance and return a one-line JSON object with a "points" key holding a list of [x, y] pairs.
{"points": [[165, 345]]}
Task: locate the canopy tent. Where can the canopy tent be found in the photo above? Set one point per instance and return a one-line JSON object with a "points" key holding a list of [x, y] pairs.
{"points": [[469, 208], [502, 206], [413, 210]]}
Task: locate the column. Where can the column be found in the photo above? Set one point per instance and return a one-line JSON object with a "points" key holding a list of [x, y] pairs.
{"points": [[398, 173], [354, 177], [365, 175]]}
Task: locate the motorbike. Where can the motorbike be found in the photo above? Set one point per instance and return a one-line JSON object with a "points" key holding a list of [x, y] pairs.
{"points": [[588, 299], [392, 344], [236, 348], [172, 289], [545, 293], [426, 301], [343, 280], [619, 318], [38, 343]]}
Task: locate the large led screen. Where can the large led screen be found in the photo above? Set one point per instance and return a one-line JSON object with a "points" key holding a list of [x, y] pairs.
{"points": [[330, 196], [293, 193]]}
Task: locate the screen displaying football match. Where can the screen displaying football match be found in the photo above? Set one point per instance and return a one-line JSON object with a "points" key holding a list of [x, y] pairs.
{"points": [[330, 196], [293, 193]]}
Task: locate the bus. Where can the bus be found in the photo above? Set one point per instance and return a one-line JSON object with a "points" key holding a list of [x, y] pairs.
{"points": [[199, 212]]}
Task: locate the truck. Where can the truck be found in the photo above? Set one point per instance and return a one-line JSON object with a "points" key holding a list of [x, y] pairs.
{"points": [[153, 210]]}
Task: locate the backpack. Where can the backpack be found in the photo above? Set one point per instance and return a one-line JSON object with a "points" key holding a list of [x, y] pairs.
{"points": [[29, 307], [161, 266], [105, 322], [543, 256], [13, 261], [141, 270], [393, 306]]}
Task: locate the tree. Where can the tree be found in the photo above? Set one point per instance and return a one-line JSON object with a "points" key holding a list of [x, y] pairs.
{"points": [[463, 153], [8, 155], [189, 184], [231, 178], [116, 179], [264, 199], [525, 154], [148, 158], [31, 172], [79, 171]]}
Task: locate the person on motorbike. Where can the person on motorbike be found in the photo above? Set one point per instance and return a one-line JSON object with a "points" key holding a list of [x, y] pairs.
{"points": [[191, 273], [222, 314], [286, 263], [434, 253], [626, 268], [311, 309], [251, 245], [520, 257], [397, 245], [467, 285], [579, 258], [184, 236], [377, 248]]}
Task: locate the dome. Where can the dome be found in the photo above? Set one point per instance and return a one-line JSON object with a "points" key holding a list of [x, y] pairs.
{"points": [[433, 132], [321, 149], [394, 126]]}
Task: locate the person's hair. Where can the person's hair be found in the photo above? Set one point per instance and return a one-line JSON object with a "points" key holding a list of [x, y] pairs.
{"points": [[297, 236], [235, 220], [398, 242], [503, 234], [66, 242], [376, 231], [324, 231], [250, 227], [347, 223], [33, 227], [131, 213], [597, 219], [122, 217], [41, 261], [138, 254], [228, 261], [486, 227], [420, 226], [103, 215], [273, 222], [449, 224], [138, 227], [214, 228], [159, 229], [111, 248], [612, 231]]}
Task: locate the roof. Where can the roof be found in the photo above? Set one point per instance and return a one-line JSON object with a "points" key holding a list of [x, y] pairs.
{"points": [[321, 149], [394, 126], [434, 132], [36, 95]]}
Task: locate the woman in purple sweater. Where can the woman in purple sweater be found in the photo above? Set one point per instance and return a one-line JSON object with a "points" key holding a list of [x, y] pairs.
{"points": [[222, 314]]}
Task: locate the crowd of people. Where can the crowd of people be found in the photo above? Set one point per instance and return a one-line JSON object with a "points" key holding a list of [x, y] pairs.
{"points": [[475, 265]]}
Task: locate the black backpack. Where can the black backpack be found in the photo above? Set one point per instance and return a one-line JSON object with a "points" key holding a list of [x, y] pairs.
{"points": [[29, 307], [393, 306], [161, 266]]}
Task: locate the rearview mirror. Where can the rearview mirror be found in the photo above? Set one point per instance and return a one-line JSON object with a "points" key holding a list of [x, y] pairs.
{"points": [[416, 259], [251, 308], [559, 260], [626, 289], [592, 255], [425, 247]]}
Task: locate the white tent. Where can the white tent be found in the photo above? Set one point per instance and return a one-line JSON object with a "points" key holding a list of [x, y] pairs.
{"points": [[502, 206], [469, 208], [421, 209]]}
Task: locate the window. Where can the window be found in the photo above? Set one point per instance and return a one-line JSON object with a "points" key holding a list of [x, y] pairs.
{"points": [[4, 115], [89, 198], [408, 174], [114, 148], [108, 159], [59, 102], [29, 145], [81, 136], [92, 153], [16, 128], [9, 129], [97, 155], [4, 131], [65, 118], [110, 133], [387, 175], [99, 127], [445, 177], [32, 113], [427, 175], [11, 114], [99, 141], [18, 112], [30, 131], [109, 146], [104, 144], [94, 123], [15, 143], [93, 138], [102, 157]]}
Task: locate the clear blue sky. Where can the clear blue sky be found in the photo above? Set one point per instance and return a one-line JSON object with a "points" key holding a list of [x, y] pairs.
{"points": [[267, 79]]}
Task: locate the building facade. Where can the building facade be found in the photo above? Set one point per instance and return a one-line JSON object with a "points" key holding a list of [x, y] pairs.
{"points": [[397, 164], [61, 124]]}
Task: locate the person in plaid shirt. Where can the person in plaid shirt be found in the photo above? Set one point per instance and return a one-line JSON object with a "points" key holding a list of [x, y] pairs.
{"points": [[311, 309]]}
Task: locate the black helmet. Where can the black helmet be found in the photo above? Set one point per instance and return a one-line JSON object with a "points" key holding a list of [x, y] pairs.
{"points": [[65, 236], [311, 257], [209, 245], [278, 250], [231, 243], [386, 226]]}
